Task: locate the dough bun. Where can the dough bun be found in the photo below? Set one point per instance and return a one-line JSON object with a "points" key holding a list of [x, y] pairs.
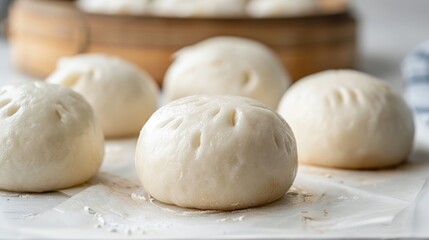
{"points": [[227, 66], [347, 119], [280, 8], [115, 7], [216, 152], [122, 95], [198, 8], [50, 139]]}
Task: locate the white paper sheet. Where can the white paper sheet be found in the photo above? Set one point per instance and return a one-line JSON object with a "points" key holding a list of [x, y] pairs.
{"points": [[322, 203]]}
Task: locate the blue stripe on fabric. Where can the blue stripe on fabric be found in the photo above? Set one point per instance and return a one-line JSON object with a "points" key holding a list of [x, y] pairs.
{"points": [[422, 79], [421, 109], [422, 55]]}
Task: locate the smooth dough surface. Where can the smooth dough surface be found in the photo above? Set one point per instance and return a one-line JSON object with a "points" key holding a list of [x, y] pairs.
{"points": [[49, 139], [227, 66], [122, 95], [348, 119], [132, 7], [198, 8], [216, 152], [280, 8]]}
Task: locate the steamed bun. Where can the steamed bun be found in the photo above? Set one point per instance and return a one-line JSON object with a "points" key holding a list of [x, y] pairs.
{"points": [[131, 7], [227, 66], [198, 8], [216, 152], [280, 8], [348, 119], [49, 139], [122, 95]]}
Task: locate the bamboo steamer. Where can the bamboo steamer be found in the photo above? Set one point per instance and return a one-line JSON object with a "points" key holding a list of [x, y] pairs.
{"points": [[42, 31]]}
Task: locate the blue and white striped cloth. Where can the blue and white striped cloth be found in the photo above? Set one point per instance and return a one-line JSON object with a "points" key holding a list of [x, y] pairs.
{"points": [[416, 73]]}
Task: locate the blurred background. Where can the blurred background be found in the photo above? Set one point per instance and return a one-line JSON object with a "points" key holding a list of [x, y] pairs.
{"points": [[386, 30]]}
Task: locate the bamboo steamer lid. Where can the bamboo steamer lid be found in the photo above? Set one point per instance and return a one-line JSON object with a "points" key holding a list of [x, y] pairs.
{"points": [[42, 31]]}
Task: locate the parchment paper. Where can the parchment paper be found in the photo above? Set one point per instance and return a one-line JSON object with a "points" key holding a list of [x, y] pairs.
{"points": [[322, 203]]}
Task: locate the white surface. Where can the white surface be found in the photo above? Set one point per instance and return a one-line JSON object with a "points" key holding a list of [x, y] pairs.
{"points": [[322, 203], [390, 28]]}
